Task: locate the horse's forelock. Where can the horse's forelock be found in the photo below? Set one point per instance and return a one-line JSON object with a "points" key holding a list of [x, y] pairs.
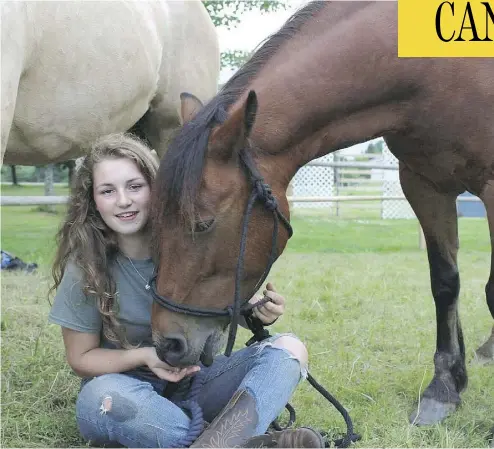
{"points": [[180, 173]]}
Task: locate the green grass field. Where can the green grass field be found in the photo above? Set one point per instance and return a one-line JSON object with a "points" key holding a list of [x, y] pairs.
{"points": [[31, 190], [358, 295]]}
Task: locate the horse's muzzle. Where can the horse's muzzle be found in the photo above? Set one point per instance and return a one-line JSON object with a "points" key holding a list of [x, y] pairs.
{"points": [[171, 349]]}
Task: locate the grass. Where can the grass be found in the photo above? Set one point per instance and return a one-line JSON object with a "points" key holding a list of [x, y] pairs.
{"points": [[32, 190], [358, 295]]}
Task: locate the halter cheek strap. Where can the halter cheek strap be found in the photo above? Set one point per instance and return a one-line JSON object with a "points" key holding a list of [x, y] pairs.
{"points": [[260, 192]]}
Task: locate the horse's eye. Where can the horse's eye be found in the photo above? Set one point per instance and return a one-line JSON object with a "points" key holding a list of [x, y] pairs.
{"points": [[203, 225]]}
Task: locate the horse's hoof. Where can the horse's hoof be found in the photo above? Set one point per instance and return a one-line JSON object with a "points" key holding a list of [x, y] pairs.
{"points": [[481, 359], [431, 412], [485, 354]]}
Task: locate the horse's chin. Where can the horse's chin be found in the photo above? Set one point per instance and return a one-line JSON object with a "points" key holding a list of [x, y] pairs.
{"points": [[208, 351], [210, 348]]}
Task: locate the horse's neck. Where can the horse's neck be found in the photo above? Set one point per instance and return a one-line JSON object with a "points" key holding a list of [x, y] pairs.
{"points": [[347, 86]]}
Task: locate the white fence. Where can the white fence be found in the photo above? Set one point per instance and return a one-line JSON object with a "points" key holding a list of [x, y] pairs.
{"points": [[327, 177], [328, 182]]}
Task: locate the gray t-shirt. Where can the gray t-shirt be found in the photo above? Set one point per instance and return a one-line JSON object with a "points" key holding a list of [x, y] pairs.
{"points": [[74, 310]]}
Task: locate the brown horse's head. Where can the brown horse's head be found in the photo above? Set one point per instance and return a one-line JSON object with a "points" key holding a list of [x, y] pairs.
{"points": [[199, 198]]}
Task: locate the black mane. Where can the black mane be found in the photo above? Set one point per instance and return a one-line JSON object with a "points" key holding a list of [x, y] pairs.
{"points": [[180, 172]]}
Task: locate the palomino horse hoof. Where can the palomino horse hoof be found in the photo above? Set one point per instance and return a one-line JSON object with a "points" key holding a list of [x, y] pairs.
{"points": [[431, 412]]}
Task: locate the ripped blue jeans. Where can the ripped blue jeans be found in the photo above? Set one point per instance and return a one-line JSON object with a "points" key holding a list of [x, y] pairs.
{"points": [[117, 408]]}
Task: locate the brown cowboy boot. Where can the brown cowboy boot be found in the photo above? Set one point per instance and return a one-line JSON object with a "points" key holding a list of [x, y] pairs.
{"points": [[289, 438], [236, 423]]}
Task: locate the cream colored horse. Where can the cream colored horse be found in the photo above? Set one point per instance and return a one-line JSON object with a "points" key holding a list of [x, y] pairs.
{"points": [[73, 71]]}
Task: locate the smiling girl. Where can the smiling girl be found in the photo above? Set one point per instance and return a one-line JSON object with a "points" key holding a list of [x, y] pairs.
{"points": [[103, 305]]}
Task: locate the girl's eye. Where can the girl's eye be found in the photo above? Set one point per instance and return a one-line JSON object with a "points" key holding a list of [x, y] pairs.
{"points": [[106, 192], [203, 225], [135, 186]]}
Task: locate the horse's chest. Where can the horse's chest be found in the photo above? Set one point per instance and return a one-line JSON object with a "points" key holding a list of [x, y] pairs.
{"points": [[448, 170]]}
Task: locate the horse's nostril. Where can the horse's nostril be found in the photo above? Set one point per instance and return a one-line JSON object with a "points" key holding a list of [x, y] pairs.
{"points": [[174, 345], [172, 348]]}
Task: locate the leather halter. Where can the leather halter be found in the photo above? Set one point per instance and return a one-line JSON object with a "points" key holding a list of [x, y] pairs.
{"points": [[260, 192]]}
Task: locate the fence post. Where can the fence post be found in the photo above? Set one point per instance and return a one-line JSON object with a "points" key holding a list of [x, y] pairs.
{"points": [[336, 175], [289, 193], [422, 244], [49, 191]]}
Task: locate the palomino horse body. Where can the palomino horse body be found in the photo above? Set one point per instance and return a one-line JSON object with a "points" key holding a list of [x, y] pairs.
{"points": [[73, 71], [328, 79]]}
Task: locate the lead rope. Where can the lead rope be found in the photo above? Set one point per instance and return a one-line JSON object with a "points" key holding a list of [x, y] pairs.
{"points": [[263, 193], [261, 333], [191, 404]]}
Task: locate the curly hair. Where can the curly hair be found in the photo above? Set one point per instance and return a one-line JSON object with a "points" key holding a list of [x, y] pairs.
{"points": [[84, 238]]}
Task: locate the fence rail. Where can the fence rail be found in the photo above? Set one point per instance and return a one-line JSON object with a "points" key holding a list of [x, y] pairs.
{"points": [[62, 199], [32, 200], [51, 200]]}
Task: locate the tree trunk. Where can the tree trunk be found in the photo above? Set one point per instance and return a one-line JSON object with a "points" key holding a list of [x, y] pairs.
{"points": [[70, 167], [49, 190], [14, 175]]}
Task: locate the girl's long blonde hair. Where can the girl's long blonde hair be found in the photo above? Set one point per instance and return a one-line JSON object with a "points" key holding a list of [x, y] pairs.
{"points": [[84, 238]]}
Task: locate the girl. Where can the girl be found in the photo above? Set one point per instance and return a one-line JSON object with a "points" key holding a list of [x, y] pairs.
{"points": [[100, 273]]}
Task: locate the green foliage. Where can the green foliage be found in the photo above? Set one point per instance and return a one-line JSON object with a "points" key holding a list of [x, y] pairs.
{"points": [[29, 173], [227, 12], [234, 58], [375, 147]]}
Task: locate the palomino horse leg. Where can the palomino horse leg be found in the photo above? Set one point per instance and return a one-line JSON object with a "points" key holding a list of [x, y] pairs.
{"points": [[157, 127], [13, 58], [437, 215], [486, 352]]}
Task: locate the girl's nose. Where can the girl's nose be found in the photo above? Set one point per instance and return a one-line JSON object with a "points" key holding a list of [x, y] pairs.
{"points": [[123, 200]]}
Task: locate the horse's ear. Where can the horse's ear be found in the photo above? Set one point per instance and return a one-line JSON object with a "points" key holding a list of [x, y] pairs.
{"points": [[228, 138], [190, 106]]}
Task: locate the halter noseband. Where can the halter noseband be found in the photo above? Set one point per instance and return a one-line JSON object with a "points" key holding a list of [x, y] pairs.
{"points": [[260, 192]]}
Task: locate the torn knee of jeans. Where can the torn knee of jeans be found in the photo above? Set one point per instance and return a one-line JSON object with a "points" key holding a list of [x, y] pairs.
{"points": [[292, 346], [106, 405], [118, 407]]}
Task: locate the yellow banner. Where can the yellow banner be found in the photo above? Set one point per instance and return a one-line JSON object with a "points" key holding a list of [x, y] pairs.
{"points": [[455, 28]]}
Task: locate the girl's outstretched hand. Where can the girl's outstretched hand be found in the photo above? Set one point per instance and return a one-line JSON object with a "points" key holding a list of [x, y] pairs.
{"points": [[163, 370]]}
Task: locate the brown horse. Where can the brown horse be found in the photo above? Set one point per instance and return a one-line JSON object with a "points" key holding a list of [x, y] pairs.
{"points": [[328, 79]]}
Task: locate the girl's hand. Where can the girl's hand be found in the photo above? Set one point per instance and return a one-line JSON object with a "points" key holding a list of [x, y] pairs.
{"points": [[269, 312], [163, 370]]}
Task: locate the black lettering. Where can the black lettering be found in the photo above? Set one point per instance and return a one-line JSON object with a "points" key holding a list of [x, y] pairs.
{"points": [[468, 11], [488, 14], [438, 21]]}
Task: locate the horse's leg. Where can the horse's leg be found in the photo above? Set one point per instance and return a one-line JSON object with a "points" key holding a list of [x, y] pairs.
{"points": [[13, 53], [157, 126], [437, 215], [486, 352]]}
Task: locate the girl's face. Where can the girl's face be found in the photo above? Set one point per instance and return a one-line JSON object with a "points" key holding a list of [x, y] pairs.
{"points": [[121, 194]]}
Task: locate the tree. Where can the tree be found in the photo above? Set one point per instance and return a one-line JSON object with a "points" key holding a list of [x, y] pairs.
{"points": [[375, 147], [235, 58], [227, 13], [13, 172]]}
